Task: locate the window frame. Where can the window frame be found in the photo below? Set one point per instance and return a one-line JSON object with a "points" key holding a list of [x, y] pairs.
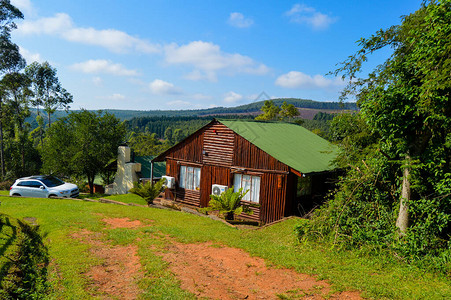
{"points": [[191, 173], [253, 196]]}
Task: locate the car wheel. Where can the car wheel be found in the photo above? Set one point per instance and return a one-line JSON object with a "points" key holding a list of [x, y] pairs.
{"points": [[16, 195], [53, 196]]}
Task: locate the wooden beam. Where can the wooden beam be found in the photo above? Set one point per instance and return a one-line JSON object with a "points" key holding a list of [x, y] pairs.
{"points": [[296, 172]]}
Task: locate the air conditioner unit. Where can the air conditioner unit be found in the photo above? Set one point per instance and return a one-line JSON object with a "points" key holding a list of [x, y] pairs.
{"points": [[217, 189], [169, 182]]}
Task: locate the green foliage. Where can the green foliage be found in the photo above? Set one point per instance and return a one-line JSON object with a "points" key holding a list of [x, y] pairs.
{"points": [[323, 116], [273, 112], [404, 124], [83, 143], [148, 191], [270, 111], [24, 274], [145, 143], [47, 89], [229, 203]]}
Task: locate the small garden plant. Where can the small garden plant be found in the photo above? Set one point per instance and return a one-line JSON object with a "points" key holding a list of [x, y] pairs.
{"points": [[229, 204], [148, 191]]}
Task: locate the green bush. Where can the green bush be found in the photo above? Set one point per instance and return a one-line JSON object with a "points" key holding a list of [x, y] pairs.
{"points": [[148, 191], [229, 203], [5, 185], [24, 273]]}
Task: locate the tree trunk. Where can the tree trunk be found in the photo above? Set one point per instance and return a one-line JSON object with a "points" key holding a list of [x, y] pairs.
{"points": [[2, 151], [48, 114], [403, 216], [91, 184]]}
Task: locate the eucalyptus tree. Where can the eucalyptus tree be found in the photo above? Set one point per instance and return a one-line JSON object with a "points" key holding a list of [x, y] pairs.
{"points": [[47, 89], [16, 93], [10, 61]]}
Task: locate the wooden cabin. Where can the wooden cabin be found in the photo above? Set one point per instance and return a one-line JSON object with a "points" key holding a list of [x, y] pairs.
{"points": [[266, 158]]}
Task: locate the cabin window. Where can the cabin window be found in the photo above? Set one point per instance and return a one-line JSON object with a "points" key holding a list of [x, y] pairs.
{"points": [[248, 183], [189, 178]]}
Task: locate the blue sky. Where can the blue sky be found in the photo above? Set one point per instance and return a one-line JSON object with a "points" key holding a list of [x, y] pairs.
{"points": [[148, 55]]}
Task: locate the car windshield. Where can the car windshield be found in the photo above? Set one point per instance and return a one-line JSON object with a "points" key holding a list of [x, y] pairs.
{"points": [[51, 181]]}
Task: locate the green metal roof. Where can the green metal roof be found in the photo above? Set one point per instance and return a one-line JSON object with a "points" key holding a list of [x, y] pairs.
{"points": [[159, 168], [289, 143]]}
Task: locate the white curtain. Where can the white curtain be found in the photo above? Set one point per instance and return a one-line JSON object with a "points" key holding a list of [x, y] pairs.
{"points": [[248, 183], [182, 176], [189, 177], [255, 189], [236, 182], [196, 178]]}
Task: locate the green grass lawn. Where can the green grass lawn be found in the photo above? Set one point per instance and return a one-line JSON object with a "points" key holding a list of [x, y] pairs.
{"points": [[376, 277], [127, 198]]}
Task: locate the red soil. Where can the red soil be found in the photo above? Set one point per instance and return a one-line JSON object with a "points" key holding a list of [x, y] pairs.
{"points": [[206, 270]]}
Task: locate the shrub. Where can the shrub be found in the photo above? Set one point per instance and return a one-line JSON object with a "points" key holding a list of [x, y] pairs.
{"points": [[5, 185], [148, 191], [229, 203]]}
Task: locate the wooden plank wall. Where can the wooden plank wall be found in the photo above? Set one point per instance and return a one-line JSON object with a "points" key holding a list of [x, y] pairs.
{"points": [[250, 156], [189, 150], [272, 197], [218, 145], [213, 175]]}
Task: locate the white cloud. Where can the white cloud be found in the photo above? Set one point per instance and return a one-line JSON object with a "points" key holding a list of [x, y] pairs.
{"points": [[97, 81], [161, 87], [237, 19], [62, 25], [113, 97], [232, 97], [25, 6], [29, 56], [103, 66], [207, 59], [304, 14], [201, 96], [299, 80], [180, 104]]}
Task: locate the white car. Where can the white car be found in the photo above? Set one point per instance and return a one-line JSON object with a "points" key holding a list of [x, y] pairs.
{"points": [[42, 186]]}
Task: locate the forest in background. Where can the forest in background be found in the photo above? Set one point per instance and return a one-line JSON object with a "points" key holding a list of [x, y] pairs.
{"points": [[246, 109]]}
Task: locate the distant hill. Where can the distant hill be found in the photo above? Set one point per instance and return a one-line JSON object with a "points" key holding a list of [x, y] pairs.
{"points": [[307, 108]]}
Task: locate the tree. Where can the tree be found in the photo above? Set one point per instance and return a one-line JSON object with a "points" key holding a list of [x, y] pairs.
{"points": [[168, 135], [47, 89], [288, 111], [273, 112], [15, 87], [83, 143], [8, 13], [145, 143], [406, 100], [177, 135], [148, 191], [396, 192], [270, 111], [10, 60]]}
